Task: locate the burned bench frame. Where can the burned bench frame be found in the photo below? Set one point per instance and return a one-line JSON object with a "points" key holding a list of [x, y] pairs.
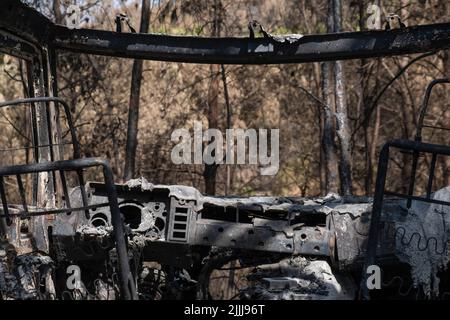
{"points": [[417, 147]]}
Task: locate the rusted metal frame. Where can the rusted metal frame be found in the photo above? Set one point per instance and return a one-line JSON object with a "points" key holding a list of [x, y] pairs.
{"points": [[127, 285], [416, 147], [33, 52]]}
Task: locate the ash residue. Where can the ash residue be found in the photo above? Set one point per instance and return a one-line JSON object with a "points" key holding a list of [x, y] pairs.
{"points": [[298, 279], [94, 231], [422, 241], [26, 276]]}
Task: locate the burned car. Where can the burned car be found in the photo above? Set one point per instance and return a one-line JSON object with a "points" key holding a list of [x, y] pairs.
{"points": [[101, 240]]}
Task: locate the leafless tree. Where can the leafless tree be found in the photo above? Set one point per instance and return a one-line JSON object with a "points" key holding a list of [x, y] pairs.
{"points": [[135, 93]]}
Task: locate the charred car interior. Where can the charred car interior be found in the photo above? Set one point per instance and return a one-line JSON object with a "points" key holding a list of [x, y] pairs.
{"points": [[139, 240]]}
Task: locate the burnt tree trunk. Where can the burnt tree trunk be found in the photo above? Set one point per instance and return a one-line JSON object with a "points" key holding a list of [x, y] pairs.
{"points": [[342, 125], [446, 160], [133, 112], [229, 123], [328, 135], [364, 105], [57, 11], [210, 171]]}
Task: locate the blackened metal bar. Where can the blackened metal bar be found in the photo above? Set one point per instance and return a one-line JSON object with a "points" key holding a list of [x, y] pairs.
{"points": [[424, 107], [420, 146], [33, 110], [34, 131], [4, 202], [372, 242], [17, 46], [3, 228], [45, 72], [54, 84], [347, 45], [22, 192], [128, 289], [412, 179], [435, 127], [32, 147], [416, 198], [62, 175], [431, 175], [68, 165], [83, 191], [246, 50], [50, 141], [23, 214]]}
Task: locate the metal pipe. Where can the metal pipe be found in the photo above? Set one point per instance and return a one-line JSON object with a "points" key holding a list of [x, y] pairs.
{"points": [[424, 107], [128, 288], [244, 50], [372, 242], [309, 48], [431, 175]]}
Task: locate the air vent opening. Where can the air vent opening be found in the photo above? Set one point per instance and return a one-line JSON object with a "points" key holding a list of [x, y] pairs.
{"points": [[99, 220], [132, 215]]}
